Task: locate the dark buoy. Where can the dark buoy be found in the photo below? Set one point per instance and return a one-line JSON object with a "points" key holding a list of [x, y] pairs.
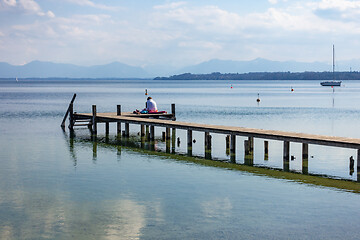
{"points": [[146, 93], [258, 99], [194, 141], [293, 157], [178, 141]]}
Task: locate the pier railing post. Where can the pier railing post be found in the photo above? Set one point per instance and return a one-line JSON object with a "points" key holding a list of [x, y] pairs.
{"points": [[305, 158], [189, 142], [286, 156], [94, 123], [118, 113]]}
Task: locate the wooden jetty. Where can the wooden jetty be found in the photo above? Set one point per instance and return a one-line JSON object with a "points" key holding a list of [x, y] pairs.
{"points": [[150, 121]]}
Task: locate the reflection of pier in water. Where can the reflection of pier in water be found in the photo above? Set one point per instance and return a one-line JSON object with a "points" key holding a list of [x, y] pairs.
{"points": [[132, 144], [148, 123]]}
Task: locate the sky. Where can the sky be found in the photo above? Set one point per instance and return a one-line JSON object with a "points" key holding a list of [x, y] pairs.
{"points": [[177, 33]]}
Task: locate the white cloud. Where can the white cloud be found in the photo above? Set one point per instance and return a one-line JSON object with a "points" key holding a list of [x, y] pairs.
{"points": [[273, 1], [89, 3], [24, 6]]}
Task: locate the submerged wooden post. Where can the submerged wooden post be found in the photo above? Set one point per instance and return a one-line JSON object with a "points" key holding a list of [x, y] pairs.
{"points": [[266, 150], [173, 111], [189, 142], [94, 124], [233, 148], [305, 158], [286, 156], [118, 113]]}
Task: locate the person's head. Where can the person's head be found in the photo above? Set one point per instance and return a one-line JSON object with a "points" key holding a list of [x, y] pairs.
{"points": [[149, 98]]}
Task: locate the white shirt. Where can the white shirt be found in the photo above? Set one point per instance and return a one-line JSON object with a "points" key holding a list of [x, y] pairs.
{"points": [[151, 105]]}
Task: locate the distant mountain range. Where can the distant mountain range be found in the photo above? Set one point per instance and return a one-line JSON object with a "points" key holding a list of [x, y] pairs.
{"points": [[38, 69]]}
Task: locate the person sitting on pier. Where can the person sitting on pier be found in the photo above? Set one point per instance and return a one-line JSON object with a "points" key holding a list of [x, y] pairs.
{"points": [[151, 105]]}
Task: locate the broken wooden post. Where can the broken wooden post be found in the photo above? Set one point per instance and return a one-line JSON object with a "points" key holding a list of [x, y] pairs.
{"points": [[67, 112], [71, 117]]}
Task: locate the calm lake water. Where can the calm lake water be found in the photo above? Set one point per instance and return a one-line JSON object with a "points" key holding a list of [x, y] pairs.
{"points": [[56, 187]]}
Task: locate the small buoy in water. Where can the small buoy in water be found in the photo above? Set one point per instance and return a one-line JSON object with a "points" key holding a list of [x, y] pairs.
{"points": [[258, 99], [292, 89], [293, 157], [146, 93], [194, 141], [231, 86]]}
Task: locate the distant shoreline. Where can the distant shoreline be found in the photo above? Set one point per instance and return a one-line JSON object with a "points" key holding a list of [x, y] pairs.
{"points": [[355, 75], [267, 76]]}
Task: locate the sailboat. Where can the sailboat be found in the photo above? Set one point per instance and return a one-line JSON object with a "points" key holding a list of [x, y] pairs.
{"points": [[332, 83]]}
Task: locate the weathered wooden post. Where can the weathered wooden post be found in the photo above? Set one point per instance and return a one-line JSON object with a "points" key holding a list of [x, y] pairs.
{"points": [[163, 136], [94, 150], [167, 133], [173, 140], [249, 151], [305, 158], [189, 142], [152, 133], [142, 130], [286, 156], [173, 111], [233, 148], [107, 128], [94, 123], [67, 112], [227, 143], [207, 138], [147, 134], [118, 113], [71, 116], [127, 129], [358, 160], [266, 150]]}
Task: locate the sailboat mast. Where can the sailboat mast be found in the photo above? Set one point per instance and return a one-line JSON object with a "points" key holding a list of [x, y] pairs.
{"points": [[333, 62]]}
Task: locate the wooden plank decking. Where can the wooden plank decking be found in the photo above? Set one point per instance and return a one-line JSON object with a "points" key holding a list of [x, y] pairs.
{"points": [[230, 130]]}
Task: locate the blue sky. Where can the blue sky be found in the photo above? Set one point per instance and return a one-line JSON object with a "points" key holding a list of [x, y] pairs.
{"points": [[177, 33]]}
